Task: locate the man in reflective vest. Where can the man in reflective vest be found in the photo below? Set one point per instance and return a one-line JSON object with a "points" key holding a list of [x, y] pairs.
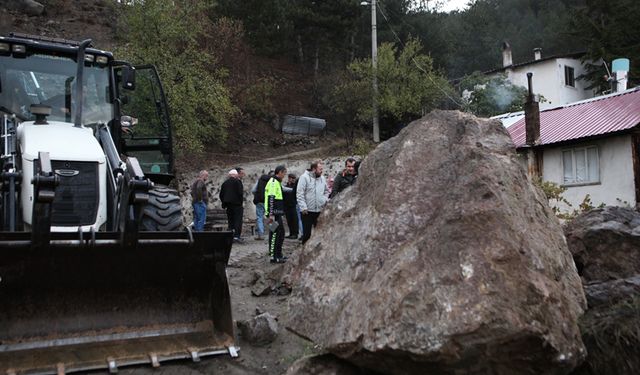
{"points": [[274, 209]]}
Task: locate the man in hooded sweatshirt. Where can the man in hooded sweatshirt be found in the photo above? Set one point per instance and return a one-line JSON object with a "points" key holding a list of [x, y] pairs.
{"points": [[312, 196]]}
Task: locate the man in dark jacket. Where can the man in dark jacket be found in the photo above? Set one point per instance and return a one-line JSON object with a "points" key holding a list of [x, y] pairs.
{"points": [[231, 196], [290, 208], [345, 178]]}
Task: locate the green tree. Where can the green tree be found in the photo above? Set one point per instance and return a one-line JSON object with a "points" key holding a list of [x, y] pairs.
{"points": [[470, 40], [489, 96], [169, 34], [268, 23], [408, 86], [610, 30]]}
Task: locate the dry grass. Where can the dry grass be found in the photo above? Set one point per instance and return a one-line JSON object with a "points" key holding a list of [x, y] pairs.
{"points": [[612, 337]]}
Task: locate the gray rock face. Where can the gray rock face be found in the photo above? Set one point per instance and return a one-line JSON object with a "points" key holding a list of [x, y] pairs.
{"points": [[443, 259], [260, 330], [28, 7], [605, 243], [611, 292]]}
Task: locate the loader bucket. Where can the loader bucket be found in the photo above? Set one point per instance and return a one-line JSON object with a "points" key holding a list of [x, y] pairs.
{"points": [[82, 303]]}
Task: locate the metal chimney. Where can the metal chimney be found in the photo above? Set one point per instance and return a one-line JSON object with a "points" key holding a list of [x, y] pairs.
{"points": [[507, 60], [532, 132], [537, 53], [531, 115]]}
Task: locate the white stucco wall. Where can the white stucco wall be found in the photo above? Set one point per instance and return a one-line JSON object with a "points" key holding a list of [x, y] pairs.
{"points": [[616, 184], [548, 81], [569, 94]]}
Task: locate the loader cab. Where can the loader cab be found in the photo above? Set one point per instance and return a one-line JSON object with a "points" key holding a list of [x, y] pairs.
{"points": [[149, 139], [34, 75], [44, 72]]}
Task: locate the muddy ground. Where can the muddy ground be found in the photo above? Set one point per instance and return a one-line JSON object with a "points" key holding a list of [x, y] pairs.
{"points": [[273, 358]]}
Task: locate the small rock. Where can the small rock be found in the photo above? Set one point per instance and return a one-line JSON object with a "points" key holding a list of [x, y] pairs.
{"points": [[261, 288], [261, 330]]}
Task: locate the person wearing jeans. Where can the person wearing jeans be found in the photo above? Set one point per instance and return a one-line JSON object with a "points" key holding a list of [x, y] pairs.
{"points": [[258, 200], [199, 199], [259, 221]]}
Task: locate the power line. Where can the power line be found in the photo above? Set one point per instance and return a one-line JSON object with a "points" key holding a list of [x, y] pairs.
{"points": [[414, 60]]}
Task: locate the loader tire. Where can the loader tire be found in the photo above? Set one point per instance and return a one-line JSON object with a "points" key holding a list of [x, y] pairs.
{"points": [[163, 211]]}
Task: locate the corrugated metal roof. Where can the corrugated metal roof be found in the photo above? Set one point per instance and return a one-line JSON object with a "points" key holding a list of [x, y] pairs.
{"points": [[509, 118], [588, 118]]}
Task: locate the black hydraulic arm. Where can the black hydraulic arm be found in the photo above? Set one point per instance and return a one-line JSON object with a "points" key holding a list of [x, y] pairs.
{"points": [[110, 150], [135, 195], [10, 175], [44, 184]]}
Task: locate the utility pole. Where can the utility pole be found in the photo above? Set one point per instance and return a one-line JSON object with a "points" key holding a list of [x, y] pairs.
{"points": [[374, 63]]}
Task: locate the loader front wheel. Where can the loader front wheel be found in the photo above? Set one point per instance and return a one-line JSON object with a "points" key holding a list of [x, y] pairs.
{"points": [[163, 211]]}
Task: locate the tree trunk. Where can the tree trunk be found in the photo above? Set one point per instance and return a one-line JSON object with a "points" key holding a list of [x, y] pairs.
{"points": [[316, 65], [352, 43], [300, 50]]}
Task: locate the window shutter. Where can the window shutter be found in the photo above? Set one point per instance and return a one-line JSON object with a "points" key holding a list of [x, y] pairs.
{"points": [[567, 166]]}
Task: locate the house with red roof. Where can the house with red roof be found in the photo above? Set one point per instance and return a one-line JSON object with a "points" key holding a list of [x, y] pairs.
{"points": [[556, 76], [590, 147]]}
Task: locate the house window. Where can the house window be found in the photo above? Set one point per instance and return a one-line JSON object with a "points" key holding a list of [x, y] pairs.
{"points": [[580, 165], [569, 76]]}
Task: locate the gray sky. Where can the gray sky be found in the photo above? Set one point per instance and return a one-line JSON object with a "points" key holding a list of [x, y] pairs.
{"points": [[454, 4]]}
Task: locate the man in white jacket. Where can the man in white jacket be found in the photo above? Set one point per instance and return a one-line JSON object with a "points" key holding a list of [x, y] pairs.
{"points": [[312, 195]]}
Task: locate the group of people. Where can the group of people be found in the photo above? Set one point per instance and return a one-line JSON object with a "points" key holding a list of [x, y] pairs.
{"points": [[298, 200], [231, 196]]}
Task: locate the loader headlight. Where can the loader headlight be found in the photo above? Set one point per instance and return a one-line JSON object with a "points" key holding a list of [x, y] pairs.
{"points": [[5, 47], [89, 58], [103, 60]]}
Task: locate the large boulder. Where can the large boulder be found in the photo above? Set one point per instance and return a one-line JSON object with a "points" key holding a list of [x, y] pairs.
{"points": [[605, 243], [442, 259]]}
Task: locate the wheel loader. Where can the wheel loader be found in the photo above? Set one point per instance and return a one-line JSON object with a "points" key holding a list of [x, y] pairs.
{"points": [[97, 270]]}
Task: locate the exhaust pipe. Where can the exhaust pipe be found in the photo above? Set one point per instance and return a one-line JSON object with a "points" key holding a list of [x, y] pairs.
{"points": [[79, 94]]}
